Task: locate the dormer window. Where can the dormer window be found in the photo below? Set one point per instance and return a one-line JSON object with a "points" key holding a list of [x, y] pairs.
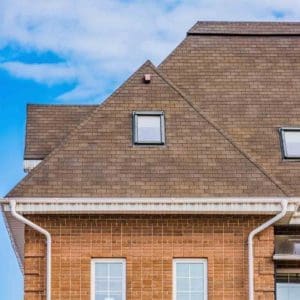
{"points": [[148, 128], [290, 138]]}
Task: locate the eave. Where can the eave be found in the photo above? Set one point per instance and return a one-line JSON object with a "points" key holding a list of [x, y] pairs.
{"points": [[201, 205]]}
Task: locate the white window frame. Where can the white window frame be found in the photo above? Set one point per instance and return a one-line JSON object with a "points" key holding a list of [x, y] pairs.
{"points": [[137, 114], [94, 261], [190, 261], [284, 144]]}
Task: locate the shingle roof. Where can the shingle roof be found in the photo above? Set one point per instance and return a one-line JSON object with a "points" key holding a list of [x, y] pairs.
{"points": [[245, 28], [248, 85], [47, 125], [224, 95], [98, 159]]}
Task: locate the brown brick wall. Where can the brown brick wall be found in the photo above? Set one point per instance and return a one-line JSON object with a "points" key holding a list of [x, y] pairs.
{"points": [[149, 243]]}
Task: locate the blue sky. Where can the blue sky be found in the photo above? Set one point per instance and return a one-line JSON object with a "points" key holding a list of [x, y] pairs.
{"points": [[70, 52]]}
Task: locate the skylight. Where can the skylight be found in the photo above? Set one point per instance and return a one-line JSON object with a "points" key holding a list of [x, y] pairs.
{"points": [[290, 142], [148, 127]]}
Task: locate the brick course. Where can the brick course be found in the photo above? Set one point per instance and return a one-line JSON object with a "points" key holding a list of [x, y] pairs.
{"points": [[149, 243]]}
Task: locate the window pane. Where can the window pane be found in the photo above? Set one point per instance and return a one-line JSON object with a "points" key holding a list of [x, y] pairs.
{"points": [[292, 143], [183, 284], [197, 285], [182, 296], [101, 270], [149, 129], [197, 296], [182, 270], [101, 296], [116, 285], [101, 285], [288, 286], [116, 270], [196, 270]]}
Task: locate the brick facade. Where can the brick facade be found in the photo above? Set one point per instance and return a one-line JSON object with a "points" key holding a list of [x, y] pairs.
{"points": [[149, 243]]}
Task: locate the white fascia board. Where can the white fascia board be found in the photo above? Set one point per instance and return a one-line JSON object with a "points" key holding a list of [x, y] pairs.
{"points": [[29, 164], [217, 205], [289, 257], [221, 205]]}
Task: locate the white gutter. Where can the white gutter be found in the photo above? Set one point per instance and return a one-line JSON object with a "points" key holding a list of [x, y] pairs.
{"points": [[284, 205], [172, 205], [48, 239]]}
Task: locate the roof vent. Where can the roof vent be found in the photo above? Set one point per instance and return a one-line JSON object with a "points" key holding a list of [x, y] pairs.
{"points": [[147, 78]]}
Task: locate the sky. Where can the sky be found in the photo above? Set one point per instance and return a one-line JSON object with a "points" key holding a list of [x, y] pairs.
{"points": [[78, 52]]}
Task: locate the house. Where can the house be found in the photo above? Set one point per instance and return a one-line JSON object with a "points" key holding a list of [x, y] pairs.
{"points": [[183, 184]]}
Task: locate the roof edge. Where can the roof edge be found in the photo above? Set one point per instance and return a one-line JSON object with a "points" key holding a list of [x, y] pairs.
{"points": [[249, 28]]}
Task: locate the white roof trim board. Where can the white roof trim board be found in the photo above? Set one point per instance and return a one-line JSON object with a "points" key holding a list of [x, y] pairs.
{"points": [[202, 205], [29, 164]]}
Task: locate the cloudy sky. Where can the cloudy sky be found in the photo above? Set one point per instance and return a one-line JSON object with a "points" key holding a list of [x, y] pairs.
{"points": [[79, 51]]}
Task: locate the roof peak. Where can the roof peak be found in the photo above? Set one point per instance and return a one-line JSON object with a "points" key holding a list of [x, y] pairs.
{"points": [[245, 28]]}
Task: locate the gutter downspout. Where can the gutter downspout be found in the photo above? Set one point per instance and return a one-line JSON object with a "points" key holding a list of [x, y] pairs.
{"points": [[284, 206], [48, 239]]}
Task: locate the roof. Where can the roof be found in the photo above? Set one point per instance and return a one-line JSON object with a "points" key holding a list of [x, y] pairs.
{"points": [[248, 85], [245, 28], [47, 125], [97, 159], [225, 90]]}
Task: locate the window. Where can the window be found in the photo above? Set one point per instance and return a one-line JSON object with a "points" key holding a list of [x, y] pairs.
{"points": [[108, 279], [148, 128], [287, 286], [290, 138], [190, 279]]}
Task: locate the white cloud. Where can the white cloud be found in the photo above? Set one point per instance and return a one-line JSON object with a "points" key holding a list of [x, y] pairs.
{"points": [[108, 39], [42, 73]]}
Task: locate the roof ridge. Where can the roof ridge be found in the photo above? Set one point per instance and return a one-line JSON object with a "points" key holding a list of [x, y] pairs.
{"points": [[245, 28], [74, 130], [248, 22], [223, 133]]}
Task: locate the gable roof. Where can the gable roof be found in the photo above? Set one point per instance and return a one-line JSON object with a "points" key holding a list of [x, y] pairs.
{"points": [[98, 159], [247, 83], [47, 125]]}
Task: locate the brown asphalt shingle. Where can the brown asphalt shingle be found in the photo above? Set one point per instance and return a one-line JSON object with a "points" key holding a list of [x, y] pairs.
{"points": [[241, 79], [98, 159], [47, 125], [248, 85]]}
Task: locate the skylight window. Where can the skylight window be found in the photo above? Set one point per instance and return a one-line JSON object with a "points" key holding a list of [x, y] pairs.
{"points": [[290, 142], [149, 128]]}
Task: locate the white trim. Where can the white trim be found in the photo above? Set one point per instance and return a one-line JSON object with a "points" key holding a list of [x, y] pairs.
{"points": [[222, 205], [108, 260], [125, 205], [43, 231], [29, 164], [292, 257], [190, 261], [260, 228]]}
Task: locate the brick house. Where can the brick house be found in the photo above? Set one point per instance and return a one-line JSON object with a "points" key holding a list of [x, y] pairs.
{"points": [[183, 184]]}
